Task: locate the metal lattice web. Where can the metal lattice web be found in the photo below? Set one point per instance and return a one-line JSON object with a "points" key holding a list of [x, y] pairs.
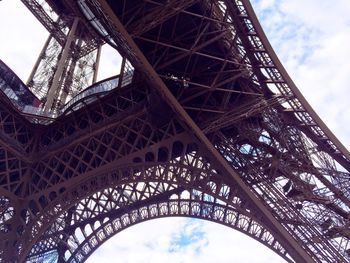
{"points": [[204, 122]]}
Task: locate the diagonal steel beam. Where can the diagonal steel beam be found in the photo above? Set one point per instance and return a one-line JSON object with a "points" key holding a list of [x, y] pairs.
{"points": [[159, 15], [155, 81], [45, 20], [194, 50], [55, 30], [320, 134]]}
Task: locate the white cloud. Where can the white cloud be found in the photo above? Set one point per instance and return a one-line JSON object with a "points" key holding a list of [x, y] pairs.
{"points": [[311, 38], [110, 63], [175, 240], [22, 37], [328, 16]]}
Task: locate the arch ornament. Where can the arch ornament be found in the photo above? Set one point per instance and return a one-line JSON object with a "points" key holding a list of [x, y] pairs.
{"points": [[186, 185], [89, 234], [175, 163]]}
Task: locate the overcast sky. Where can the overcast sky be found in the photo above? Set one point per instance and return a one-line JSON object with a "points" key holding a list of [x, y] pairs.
{"points": [[311, 37]]}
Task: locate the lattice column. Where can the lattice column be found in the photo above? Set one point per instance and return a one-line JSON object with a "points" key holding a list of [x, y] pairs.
{"points": [[40, 79], [54, 89], [69, 60], [63, 71]]}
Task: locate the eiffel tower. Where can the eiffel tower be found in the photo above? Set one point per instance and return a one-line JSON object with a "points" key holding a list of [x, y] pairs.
{"points": [[202, 121]]}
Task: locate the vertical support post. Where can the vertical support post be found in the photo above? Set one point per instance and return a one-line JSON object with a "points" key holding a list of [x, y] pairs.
{"points": [[10, 250], [96, 65], [60, 66], [69, 75], [37, 63], [122, 71]]}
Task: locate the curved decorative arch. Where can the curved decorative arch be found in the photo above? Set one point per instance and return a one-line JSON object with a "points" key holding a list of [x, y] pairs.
{"points": [[190, 177], [88, 235], [124, 171], [185, 208], [187, 171]]}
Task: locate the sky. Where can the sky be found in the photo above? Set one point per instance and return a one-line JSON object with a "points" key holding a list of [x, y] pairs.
{"points": [[311, 38]]}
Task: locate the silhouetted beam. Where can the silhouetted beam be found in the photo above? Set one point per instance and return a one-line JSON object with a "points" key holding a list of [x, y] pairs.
{"points": [[55, 30], [194, 50], [159, 15], [120, 35], [45, 20], [320, 134]]}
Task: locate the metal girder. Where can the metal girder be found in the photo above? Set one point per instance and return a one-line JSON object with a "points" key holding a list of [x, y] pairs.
{"points": [[193, 51], [158, 15], [189, 176], [52, 26], [142, 211], [65, 64], [240, 45], [138, 59], [55, 28], [253, 36], [187, 122], [15, 132]]}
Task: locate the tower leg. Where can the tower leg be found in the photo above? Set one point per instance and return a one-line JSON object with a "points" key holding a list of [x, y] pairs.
{"points": [[37, 63], [96, 65], [60, 66]]}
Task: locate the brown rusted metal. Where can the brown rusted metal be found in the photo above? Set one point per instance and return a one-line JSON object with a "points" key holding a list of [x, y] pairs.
{"points": [[191, 127]]}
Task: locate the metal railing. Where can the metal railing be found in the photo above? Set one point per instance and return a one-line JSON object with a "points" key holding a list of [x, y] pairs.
{"points": [[12, 86], [28, 104], [100, 87]]}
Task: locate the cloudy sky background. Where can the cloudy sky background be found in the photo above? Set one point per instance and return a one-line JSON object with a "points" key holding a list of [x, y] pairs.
{"points": [[312, 39]]}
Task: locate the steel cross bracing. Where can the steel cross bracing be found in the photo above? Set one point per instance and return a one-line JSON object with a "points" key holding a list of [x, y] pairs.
{"points": [[211, 127], [56, 22], [68, 62]]}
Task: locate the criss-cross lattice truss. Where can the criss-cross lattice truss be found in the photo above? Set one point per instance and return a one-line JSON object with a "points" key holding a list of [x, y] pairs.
{"points": [[205, 123], [69, 60]]}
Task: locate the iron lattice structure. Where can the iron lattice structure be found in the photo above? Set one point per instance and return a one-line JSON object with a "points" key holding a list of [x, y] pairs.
{"points": [[69, 60], [206, 123]]}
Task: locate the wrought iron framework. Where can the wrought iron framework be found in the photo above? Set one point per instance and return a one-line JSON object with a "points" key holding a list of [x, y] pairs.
{"points": [[206, 123], [69, 60]]}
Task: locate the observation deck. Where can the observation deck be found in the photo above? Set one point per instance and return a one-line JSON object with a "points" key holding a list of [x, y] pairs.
{"points": [[12, 87]]}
